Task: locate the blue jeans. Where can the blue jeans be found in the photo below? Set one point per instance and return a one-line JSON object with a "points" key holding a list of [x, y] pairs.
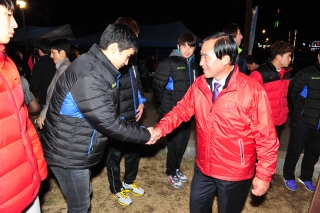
{"points": [[76, 187]]}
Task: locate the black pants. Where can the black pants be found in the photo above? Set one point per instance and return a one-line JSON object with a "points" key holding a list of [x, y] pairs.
{"points": [[144, 83], [302, 137], [177, 142], [231, 194], [131, 153]]}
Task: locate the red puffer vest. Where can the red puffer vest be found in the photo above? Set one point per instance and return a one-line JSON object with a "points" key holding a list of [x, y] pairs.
{"points": [[22, 162]]}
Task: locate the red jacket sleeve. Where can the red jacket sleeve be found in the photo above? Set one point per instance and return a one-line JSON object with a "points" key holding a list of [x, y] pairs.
{"points": [[182, 112], [267, 142]]}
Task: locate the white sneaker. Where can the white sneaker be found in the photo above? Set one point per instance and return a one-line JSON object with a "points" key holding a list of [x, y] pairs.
{"points": [[175, 181], [123, 198], [181, 176], [134, 188]]}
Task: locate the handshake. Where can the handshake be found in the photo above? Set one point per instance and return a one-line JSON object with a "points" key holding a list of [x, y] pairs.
{"points": [[156, 134]]}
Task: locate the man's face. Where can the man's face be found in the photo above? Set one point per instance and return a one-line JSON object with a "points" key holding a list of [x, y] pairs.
{"points": [[57, 56], [252, 66], [238, 37], [185, 50], [285, 60], [121, 58], [211, 65], [7, 25]]}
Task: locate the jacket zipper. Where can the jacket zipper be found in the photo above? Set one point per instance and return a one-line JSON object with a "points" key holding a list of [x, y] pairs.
{"points": [[241, 152]]}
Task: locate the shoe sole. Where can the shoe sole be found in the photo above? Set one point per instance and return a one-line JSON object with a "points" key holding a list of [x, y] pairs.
{"points": [[305, 185], [177, 187], [136, 194], [122, 204], [294, 190]]}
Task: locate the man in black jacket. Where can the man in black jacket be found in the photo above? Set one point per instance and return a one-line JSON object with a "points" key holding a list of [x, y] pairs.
{"points": [[171, 81], [82, 115], [304, 100], [43, 71], [131, 108]]}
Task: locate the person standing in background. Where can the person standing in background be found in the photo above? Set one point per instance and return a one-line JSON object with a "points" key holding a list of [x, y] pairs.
{"points": [[60, 52], [304, 101], [274, 76], [171, 81], [234, 29], [43, 71]]}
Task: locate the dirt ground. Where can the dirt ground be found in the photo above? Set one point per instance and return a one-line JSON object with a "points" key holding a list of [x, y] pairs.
{"points": [[161, 197]]}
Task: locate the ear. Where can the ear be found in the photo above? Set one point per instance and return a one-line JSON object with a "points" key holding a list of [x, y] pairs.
{"points": [[114, 48], [226, 60], [63, 53], [278, 57]]}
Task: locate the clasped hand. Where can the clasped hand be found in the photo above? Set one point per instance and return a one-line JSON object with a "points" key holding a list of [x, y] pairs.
{"points": [[155, 135]]}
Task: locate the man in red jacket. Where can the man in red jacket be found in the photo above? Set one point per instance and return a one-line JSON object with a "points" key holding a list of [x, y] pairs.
{"points": [[234, 128], [23, 166], [274, 76]]}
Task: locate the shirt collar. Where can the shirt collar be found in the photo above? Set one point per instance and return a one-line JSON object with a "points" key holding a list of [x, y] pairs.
{"points": [[59, 63]]}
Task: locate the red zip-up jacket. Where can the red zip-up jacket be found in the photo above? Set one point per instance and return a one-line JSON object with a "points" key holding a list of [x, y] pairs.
{"points": [[22, 162], [276, 85], [233, 132]]}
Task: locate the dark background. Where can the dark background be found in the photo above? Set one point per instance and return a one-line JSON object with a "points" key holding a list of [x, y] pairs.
{"points": [[201, 17]]}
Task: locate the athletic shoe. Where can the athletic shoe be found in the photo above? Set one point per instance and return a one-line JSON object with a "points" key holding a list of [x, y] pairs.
{"points": [[175, 181], [291, 184], [308, 184], [123, 198], [134, 188], [181, 176]]}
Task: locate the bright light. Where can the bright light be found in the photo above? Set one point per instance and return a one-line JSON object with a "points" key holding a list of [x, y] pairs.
{"points": [[267, 39], [22, 4], [263, 31]]}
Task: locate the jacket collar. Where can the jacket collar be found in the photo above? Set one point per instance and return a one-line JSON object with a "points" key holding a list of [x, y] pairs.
{"points": [[96, 52], [230, 84]]}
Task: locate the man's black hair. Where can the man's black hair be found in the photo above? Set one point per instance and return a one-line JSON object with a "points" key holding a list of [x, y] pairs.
{"points": [[9, 4], [61, 44], [231, 28], [224, 45], [121, 34], [188, 38], [43, 44]]}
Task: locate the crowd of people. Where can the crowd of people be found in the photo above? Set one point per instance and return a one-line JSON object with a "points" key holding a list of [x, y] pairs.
{"points": [[91, 105]]}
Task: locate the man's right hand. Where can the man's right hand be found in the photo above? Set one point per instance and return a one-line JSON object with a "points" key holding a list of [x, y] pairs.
{"points": [[40, 122], [155, 135]]}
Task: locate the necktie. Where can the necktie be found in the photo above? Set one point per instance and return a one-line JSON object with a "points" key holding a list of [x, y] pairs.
{"points": [[215, 92]]}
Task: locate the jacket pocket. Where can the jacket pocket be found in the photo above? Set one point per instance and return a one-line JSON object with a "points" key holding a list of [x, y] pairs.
{"points": [[241, 149]]}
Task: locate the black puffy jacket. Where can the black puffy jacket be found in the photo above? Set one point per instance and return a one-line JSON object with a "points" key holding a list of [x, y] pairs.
{"points": [[172, 79], [131, 94], [82, 114], [304, 97]]}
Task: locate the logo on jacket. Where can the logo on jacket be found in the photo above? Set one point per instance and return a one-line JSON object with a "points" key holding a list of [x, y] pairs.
{"points": [[181, 68]]}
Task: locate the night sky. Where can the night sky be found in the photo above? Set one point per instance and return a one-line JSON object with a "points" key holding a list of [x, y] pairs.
{"points": [[201, 17]]}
